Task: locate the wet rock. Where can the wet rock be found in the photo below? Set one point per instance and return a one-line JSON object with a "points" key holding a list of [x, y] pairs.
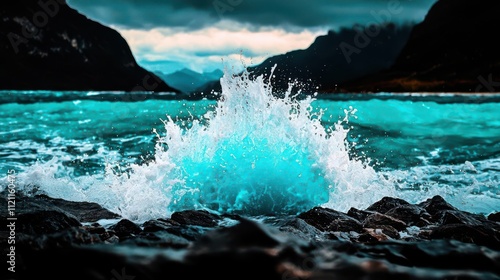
{"points": [[65, 238], [113, 239], [412, 215], [100, 231], [82, 211], [370, 236], [36, 217], [479, 235], [495, 217], [44, 222], [318, 243], [381, 233], [158, 239], [191, 233], [359, 215], [459, 217], [95, 228], [425, 234], [386, 204], [246, 234], [125, 229], [300, 229], [373, 235], [435, 205], [390, 231], [196, 217], [377, 220], [326, 219], [157, 225]]}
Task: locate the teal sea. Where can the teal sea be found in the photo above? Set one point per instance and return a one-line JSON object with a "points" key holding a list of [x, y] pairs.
{"points": [[145, 155]]}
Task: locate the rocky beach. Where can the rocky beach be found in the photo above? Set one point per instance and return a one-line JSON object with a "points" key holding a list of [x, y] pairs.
{"points": [[391, 239]]}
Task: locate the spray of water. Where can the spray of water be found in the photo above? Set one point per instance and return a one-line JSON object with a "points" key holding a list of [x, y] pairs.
{"points": [[254, 154]]}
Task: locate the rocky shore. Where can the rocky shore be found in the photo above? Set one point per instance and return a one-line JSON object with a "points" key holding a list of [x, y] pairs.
{"points": [[391, 239]]}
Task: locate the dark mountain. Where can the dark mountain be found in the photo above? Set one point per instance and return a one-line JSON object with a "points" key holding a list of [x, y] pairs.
{"points": [[48, 45], [334, 58], [453, 50], [188, 80]]}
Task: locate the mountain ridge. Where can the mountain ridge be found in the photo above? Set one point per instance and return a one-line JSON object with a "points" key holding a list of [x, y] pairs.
{"points": [[451, 50], [51, 46]]}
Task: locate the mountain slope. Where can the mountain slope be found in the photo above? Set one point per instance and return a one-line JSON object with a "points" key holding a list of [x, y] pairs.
{"points": [[187, 80], [334, 58], [46, 45], [452, 50]]}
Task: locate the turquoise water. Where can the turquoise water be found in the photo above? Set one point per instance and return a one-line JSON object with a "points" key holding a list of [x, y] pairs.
{"points": [[149, 155]]}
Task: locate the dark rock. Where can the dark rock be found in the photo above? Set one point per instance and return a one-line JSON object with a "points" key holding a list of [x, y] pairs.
{"points": [[437, 259], [435, 205], [126, 228], [381, 233], [370, 236], [113, 239], [359, 215], [377, 220], [191, 233], [494, 217], [100, 231], [386, 204], [412, 215], [426, 233], [157, 225], [326, 219], [196, 217], [65, 238], [469, 234], [67, 52], [390, 231], [245, 234], [302, 229], [83, 211], [277, 247], [345, 225], [459, 217], [36, 217], [158, 239], [44, 222], [95, 229], [260, 251]]}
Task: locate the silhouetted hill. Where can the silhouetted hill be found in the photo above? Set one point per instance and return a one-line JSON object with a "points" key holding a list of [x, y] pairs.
{"points": [[334, 58], [188, 80], [48, 45], [453, 50]]}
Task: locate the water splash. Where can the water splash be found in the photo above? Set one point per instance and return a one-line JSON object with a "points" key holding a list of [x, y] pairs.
{"points": [[253, 154], [256, 154]]}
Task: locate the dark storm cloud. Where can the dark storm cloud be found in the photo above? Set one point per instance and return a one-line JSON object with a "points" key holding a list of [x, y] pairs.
{"points": [[195, 14]]}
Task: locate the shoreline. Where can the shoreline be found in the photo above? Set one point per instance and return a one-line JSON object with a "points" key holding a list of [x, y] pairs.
{"points": [[391, 239], [42, 96]]}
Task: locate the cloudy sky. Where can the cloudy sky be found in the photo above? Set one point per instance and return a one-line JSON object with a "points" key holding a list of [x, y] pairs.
{"points": [[203, 35]]}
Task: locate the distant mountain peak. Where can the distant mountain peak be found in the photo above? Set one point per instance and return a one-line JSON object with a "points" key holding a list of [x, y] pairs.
{"points": [[188, 80]]}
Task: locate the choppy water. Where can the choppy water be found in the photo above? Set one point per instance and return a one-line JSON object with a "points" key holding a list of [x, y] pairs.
{"points": [[250, 152]]}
